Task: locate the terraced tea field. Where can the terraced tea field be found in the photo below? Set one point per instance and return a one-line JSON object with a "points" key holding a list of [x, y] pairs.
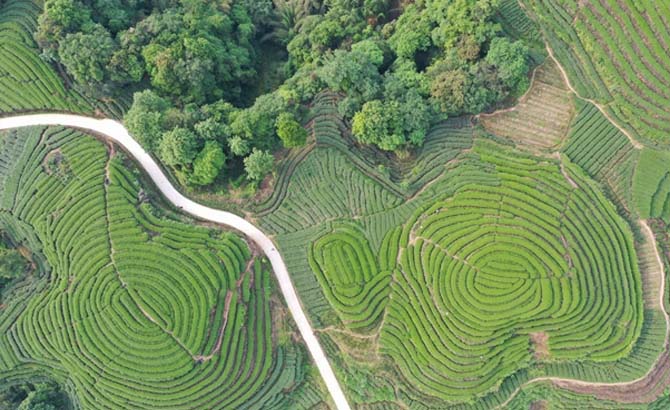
{"points": [[501, 268], [130, 307], [28, 83], [542, 397], [616, 52], [651, 184], [487, 272], [516, 260]]}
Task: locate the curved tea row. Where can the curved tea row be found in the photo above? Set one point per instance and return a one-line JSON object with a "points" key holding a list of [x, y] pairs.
{"points": [[27, 82], [616, 53], [140, 311]]}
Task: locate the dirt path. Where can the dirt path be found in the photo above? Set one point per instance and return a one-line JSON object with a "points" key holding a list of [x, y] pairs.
{"points": [[642, 389], [116, 132], [599, 106], [219, 339], [567, 176]]}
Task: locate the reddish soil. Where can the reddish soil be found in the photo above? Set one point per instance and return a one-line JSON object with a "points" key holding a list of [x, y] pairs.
{"points": [[540, 341], [539, 405], [642, 391]]}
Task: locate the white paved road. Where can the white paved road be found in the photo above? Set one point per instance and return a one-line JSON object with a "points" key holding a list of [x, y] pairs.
{"points": [[116, 132]]}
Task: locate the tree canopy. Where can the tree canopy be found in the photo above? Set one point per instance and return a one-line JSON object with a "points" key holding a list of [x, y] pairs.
{"points": [[34, 396], [177, 147], [258, 164], [12, 264], [290, 131], [197, 65], [208, 164]]}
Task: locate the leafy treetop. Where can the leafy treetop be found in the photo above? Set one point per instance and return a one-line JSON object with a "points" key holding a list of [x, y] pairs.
{"points": [[398, 70]]}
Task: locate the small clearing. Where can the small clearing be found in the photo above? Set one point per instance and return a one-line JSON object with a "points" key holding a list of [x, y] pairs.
{"points": [[540, 344], [542, 117]]}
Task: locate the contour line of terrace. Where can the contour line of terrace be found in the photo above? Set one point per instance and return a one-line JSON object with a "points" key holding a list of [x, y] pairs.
{"points": [[116, 132]]}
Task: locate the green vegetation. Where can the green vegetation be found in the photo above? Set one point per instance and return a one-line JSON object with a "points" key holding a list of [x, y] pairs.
{"points": [[483, 272], [354, 283], [595, 144], [258, 164], [558, 399], [616, 53], [400, 67], [463, 271], [651, 184], [603, 151], [12, 264], [207, 164], [290, 131], [27, 82], [445, 260], [517, 24], [128, 306], [38, 396]]}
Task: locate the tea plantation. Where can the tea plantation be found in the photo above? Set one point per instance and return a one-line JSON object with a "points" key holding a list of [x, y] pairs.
{"points": [[503, 267], [615, 52], [513, 257], [28, 83], [127, 306]]}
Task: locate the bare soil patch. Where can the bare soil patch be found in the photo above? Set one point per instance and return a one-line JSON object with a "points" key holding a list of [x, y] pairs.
{"points": [[540, 343], [542, 117], [539, 405], [641, 391]]}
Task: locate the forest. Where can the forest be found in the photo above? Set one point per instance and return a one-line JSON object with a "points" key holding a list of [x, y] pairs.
{"points": [[219, 87]]}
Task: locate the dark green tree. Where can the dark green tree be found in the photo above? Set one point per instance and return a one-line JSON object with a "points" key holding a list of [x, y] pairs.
{"points": [[239, 146], [393, 123], [116, 15], [210, 129], [510, 60], [411, 32], [456, 19], [178, 147], [86, 55], [288, 18], [184, 70], [378, 123], [45, 396], [290, 131], [198, 52], [208, 164], [12, 264], [60, 17], [448, 88], [257, 123], [396, 71], [354, 73], [258, 164], [146, 118]]}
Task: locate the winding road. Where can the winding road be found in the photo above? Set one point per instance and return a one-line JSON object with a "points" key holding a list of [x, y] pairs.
{"points": [[116, 132]]}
